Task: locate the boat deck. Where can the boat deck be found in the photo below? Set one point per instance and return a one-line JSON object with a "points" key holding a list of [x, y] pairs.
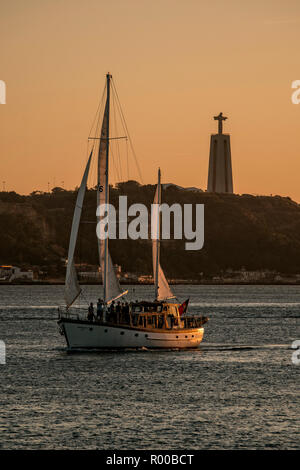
{"points": [[141, 322]]}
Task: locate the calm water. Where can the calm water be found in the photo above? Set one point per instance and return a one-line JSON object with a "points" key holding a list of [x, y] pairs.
{"points": [[239, 390]]}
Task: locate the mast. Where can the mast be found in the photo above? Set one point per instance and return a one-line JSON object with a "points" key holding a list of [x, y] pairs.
{"points": [[161, 287], [108, 77], [158, 235], [111, 287]]}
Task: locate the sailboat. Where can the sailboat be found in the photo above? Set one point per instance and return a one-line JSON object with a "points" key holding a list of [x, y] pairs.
{"points": [[142, 324]]}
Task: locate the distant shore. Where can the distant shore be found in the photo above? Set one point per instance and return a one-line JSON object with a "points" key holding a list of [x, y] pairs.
{"points": [[189, 282]]}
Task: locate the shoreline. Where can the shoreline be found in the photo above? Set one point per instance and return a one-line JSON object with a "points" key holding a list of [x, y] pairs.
{"points": [[183, 283]]}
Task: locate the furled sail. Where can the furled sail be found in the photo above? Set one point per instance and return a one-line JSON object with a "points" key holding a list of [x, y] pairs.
{"points": [[111, 285], [162, 288], [72, 289]]}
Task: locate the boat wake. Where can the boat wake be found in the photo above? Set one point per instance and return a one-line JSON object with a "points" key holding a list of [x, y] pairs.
{"points": [[242, 347]]}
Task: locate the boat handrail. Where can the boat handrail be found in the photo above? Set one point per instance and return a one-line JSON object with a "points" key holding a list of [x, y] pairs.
{"points": [[136, 320]]}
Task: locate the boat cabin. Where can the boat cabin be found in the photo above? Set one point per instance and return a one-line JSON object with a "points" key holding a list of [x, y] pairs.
{"points": [[156, 315]]}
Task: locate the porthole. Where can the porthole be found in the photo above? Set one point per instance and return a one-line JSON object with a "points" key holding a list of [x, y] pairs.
{"points": [[91, 329], [176, 336], [136, 334], [122, 332], [186, 336], [192, 336], [146, 336], [105, 331]]}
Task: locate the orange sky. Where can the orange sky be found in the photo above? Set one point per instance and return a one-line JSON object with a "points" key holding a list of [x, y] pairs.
{"points": [[175, 64]]}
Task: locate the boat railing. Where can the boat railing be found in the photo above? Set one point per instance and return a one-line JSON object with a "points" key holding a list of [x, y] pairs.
{"points": [[133, 320], [73, 313], [194, 321]]}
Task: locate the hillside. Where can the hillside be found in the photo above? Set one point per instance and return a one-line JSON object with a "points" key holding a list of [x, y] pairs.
{"points": [[255, 232]]}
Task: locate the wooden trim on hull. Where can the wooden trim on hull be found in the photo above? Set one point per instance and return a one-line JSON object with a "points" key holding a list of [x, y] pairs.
{"points": [[126, 326]]}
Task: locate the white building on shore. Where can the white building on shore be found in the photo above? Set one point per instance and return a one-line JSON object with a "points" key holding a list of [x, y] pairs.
{"points": [[10, 273]]}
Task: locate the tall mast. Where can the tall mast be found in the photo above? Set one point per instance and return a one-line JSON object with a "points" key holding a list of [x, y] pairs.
{"points": [[158, 235], [108, 77]]}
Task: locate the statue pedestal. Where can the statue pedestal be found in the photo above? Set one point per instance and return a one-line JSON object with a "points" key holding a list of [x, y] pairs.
{"points": [[220, 171]]}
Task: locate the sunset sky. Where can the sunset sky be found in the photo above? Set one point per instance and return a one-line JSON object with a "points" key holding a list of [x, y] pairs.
{"points": [[176, 64]]}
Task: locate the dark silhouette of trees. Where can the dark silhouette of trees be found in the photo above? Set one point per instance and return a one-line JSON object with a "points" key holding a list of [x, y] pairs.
{"points": [[254, 232]]}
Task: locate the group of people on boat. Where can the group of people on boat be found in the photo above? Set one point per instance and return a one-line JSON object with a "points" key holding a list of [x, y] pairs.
{"points": [[120, 311], [117, 312], [140, 314]]}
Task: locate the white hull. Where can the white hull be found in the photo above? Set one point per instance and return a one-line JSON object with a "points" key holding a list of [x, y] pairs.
{"points": [[84, 335]]}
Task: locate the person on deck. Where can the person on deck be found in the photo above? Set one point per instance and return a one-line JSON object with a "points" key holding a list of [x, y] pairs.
{"points": [[91, 315], [126, 313], [112, 311], [118, 312], [100, 309]]}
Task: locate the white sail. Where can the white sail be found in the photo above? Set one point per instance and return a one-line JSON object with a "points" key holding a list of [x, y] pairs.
{"points": [[111, 285], [162, 288], [72, 289]]}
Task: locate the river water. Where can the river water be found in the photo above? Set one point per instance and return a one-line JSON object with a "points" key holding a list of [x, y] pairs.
{"points": [[239, 390]]}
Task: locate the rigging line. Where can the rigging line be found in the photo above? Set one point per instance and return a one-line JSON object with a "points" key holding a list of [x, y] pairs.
{"points": [[97, 119], [127, 132], [92, 165], [91, 182], [84, 297], [127, 160], [111, 143], [91, 176], [118, 174], [117, 133], [100, 105], [91, 147], [115, 169], [97, 131], [92, 173], [111, 147]]}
